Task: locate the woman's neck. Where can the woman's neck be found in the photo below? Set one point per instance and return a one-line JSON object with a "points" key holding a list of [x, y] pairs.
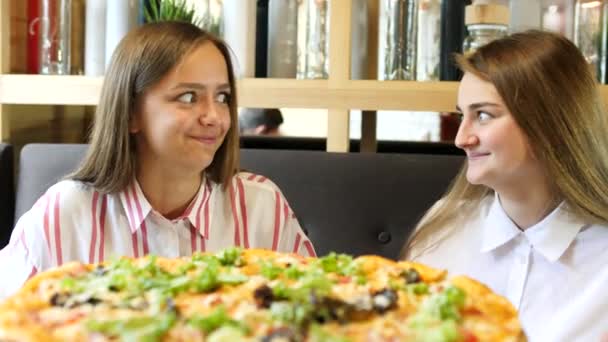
{"points": [[167, 193], [528, 205]]}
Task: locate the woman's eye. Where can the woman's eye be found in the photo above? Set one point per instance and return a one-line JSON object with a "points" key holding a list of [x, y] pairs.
{"points": [[223, 98], [459, 116], [188, 97], [483, 116]]}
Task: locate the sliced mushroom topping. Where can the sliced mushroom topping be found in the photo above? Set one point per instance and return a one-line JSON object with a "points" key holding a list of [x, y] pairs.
{"points": [[284, 334], [331, 309], [363, 302], [66, 299], [411, 276], [100, 271], [263, 296], [138, 303], [384, 300], [171, 307], [59, 298], [93, 301]]}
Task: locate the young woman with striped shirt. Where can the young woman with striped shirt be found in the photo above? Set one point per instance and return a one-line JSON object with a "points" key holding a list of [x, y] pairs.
{"points": [[161, 174]]}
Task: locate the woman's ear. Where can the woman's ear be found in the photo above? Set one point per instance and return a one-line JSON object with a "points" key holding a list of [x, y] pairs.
{"points": [[134, 123], [135, 120]]}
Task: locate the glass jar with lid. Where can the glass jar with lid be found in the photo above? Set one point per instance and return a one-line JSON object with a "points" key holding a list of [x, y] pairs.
{"points": [[485, 23]]}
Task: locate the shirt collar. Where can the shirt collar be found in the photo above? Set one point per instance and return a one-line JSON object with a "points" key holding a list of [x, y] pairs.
{"points": [[551, 237], [137, 207], [555, 233], [199, 211], [498, 228]]}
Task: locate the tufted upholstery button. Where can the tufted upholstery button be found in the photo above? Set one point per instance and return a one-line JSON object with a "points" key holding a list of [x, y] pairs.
{"points": [[384, 237]]}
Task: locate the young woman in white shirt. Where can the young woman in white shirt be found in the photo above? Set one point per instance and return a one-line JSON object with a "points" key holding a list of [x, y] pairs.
{"points": [[161, 173], [528, 213]]}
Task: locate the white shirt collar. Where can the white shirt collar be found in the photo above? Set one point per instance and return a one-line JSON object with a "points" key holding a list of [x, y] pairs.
{"points": [[550, 237], [137, 207], [498, 228]]}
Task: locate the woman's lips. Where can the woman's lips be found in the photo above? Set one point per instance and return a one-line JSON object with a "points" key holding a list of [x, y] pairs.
{"points": [[206, 140], [476, 155]]}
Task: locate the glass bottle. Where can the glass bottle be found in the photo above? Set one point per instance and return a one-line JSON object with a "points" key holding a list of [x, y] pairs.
{"points": [[55, 27], [453, 33], [485, 23], [282, 38], [209, 15], [429, 38], [525, 15], [603, 60], [239, 30], [313, 41], [588, 31], [397, 39], [553, 19]]}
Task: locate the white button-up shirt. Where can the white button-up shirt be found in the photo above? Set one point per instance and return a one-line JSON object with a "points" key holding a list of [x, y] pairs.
{"points": [[555, 272], [72, 221]]}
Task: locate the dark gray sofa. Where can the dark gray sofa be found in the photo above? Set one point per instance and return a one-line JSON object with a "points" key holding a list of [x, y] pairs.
{"points": [[7, 193], [347, 202]]}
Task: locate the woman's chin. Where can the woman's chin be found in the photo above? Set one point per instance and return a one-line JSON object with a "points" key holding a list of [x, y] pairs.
{"points": [[196, 165], [474, 178]]}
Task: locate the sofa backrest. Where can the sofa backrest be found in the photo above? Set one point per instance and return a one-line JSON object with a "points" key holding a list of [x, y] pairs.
{"points": [[272, 142], [7, 193], [346, 202]]}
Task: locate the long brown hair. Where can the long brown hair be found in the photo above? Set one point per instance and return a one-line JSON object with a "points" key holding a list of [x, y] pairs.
{"points": [[141, 60], [553, 96]]}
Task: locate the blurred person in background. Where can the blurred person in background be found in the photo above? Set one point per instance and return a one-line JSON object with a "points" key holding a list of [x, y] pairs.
{"points": [[260, 121]]}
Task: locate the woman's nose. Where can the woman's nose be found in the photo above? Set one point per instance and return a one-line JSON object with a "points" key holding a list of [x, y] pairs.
{"points": [[209, 114], [465, 137]]}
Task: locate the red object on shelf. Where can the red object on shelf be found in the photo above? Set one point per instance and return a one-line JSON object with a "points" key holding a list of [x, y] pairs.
{"points": [[449, 123], [33, 35]]}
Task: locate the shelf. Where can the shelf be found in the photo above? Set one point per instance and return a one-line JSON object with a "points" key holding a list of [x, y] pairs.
{"points": [[49, 90], [257, 92], [284, 93], [364, 95]]}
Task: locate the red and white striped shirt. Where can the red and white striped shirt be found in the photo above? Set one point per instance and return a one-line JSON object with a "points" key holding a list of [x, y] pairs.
{"points": [[72, 221]]}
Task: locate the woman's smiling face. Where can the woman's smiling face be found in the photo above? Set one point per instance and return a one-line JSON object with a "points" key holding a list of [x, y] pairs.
{"points": [[182, 120], [498, 152]]}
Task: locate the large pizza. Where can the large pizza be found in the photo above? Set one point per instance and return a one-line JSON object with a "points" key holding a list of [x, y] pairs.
{"points": [[255, 295]]}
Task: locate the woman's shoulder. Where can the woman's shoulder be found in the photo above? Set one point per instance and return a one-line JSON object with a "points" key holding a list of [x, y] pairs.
{"points": [[255, 182], [68, 194], [459, 227], [72, 188]]}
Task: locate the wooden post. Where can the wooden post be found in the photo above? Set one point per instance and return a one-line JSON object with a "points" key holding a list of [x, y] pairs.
{"points": [[340, 12], [369, 141], [5, 44]]}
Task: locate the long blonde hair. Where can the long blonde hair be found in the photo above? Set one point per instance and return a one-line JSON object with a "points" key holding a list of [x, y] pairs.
{"points": [[141, 60], [550, 90]]}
